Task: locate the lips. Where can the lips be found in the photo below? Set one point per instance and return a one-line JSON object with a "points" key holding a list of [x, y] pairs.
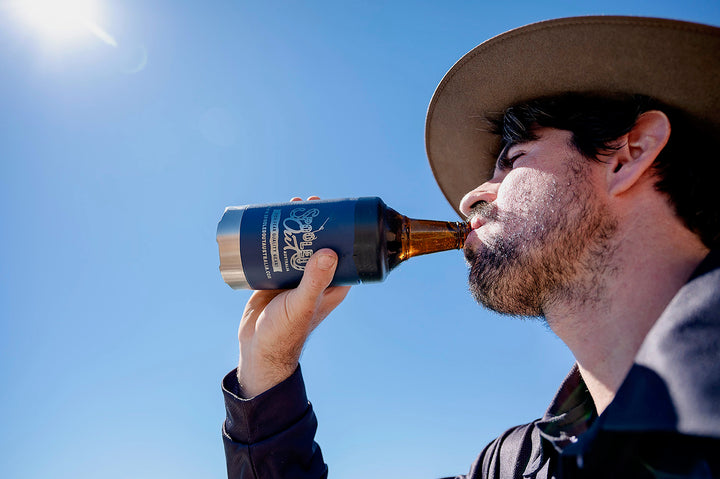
{"points": [[477, 221]]}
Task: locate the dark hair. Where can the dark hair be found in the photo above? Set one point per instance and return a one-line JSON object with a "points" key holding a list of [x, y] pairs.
{"points": [[687, 170]]}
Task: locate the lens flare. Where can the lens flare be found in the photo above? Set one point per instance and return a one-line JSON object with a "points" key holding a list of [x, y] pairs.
{"points": [[62, 20]]}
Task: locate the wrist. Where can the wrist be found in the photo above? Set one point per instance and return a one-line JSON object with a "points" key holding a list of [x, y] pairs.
{"points": [[255, 379]]}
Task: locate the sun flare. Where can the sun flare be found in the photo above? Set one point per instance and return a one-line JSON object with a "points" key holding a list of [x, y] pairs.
{"points": [[61, 20]]}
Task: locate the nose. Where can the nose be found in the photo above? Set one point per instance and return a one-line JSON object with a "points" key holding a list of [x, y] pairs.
{"points": [[485, 192]]}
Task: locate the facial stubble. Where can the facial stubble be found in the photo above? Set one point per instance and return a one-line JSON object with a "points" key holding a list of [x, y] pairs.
{"points": [[558, 249]]}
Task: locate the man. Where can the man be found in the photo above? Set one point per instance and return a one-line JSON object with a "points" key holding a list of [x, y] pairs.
{"points": [[593, 204]]}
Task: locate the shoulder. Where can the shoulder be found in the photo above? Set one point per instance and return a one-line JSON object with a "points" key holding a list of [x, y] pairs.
{"points": [[510, 454]]}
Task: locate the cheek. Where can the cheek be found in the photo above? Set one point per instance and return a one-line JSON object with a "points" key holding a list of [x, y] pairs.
{"points": [[527, 192]]}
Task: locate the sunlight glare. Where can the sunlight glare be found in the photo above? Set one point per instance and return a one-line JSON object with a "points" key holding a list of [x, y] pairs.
{"points": [[60, 20]]}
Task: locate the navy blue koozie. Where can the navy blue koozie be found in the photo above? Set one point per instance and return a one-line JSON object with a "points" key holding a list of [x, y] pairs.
{"points": [[268, 246]]}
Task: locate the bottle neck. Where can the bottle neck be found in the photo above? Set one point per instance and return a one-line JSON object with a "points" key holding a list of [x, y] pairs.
{"points": [[427, 236]]}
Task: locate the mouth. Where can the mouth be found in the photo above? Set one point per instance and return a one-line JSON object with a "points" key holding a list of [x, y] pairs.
{"points": [[479, 217], [477, 221], [481, 213]]}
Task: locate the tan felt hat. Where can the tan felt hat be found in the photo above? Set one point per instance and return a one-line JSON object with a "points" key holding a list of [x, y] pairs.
{"points": [[677, 63]]}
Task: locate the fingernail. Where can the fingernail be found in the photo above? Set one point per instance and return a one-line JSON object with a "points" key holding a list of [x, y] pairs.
{"points": [[325, 262]]}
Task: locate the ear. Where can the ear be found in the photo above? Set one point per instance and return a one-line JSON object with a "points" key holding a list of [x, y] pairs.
{"points": [[642, 145]]}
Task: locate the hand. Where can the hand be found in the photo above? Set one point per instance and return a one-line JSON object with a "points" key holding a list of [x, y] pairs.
{"points": [[276, 324]]}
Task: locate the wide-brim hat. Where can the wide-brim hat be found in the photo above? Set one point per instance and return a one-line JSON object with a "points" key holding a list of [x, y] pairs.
{"points": [[677, 63]]}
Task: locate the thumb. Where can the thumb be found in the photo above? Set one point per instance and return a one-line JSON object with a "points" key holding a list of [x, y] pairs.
{"points": [[319, 272], [318, 275]]}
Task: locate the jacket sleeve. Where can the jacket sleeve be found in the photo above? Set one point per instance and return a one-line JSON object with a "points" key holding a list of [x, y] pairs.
{"points": [[271, 435]]}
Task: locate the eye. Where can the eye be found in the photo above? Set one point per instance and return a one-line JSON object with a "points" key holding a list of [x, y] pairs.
{"points": [[506, 162], [516, 157]]}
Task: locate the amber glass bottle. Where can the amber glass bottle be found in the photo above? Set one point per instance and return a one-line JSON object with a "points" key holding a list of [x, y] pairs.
{"points": [[267, 246]]}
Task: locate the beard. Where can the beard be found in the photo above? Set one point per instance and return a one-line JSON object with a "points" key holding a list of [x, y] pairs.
{"points": [[556, 249]]}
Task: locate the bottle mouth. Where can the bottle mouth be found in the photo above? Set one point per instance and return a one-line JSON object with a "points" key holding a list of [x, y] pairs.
{"points": [[228, 239], [463, 231]]}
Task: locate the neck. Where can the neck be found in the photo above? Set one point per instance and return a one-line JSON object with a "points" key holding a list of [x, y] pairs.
{"points": [[605, 334]]}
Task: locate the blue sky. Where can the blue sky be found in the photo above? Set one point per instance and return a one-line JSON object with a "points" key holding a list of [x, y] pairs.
{"points": [[116, 162]]}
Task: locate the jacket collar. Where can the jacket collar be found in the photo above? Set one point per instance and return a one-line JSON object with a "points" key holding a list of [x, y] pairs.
{"points": [[674, 384]]}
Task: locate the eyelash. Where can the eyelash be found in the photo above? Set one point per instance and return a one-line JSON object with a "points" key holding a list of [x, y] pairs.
{"points": [[507, 162]]}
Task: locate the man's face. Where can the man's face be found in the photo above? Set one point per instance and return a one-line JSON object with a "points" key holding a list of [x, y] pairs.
{"points": [[544, 232]]}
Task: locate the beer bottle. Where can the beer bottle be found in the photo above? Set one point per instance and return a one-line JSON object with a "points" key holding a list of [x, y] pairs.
{"points": [[268, 246]]}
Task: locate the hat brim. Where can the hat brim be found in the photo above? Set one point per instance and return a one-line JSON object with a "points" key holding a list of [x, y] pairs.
{"points": [[677, 63]]}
